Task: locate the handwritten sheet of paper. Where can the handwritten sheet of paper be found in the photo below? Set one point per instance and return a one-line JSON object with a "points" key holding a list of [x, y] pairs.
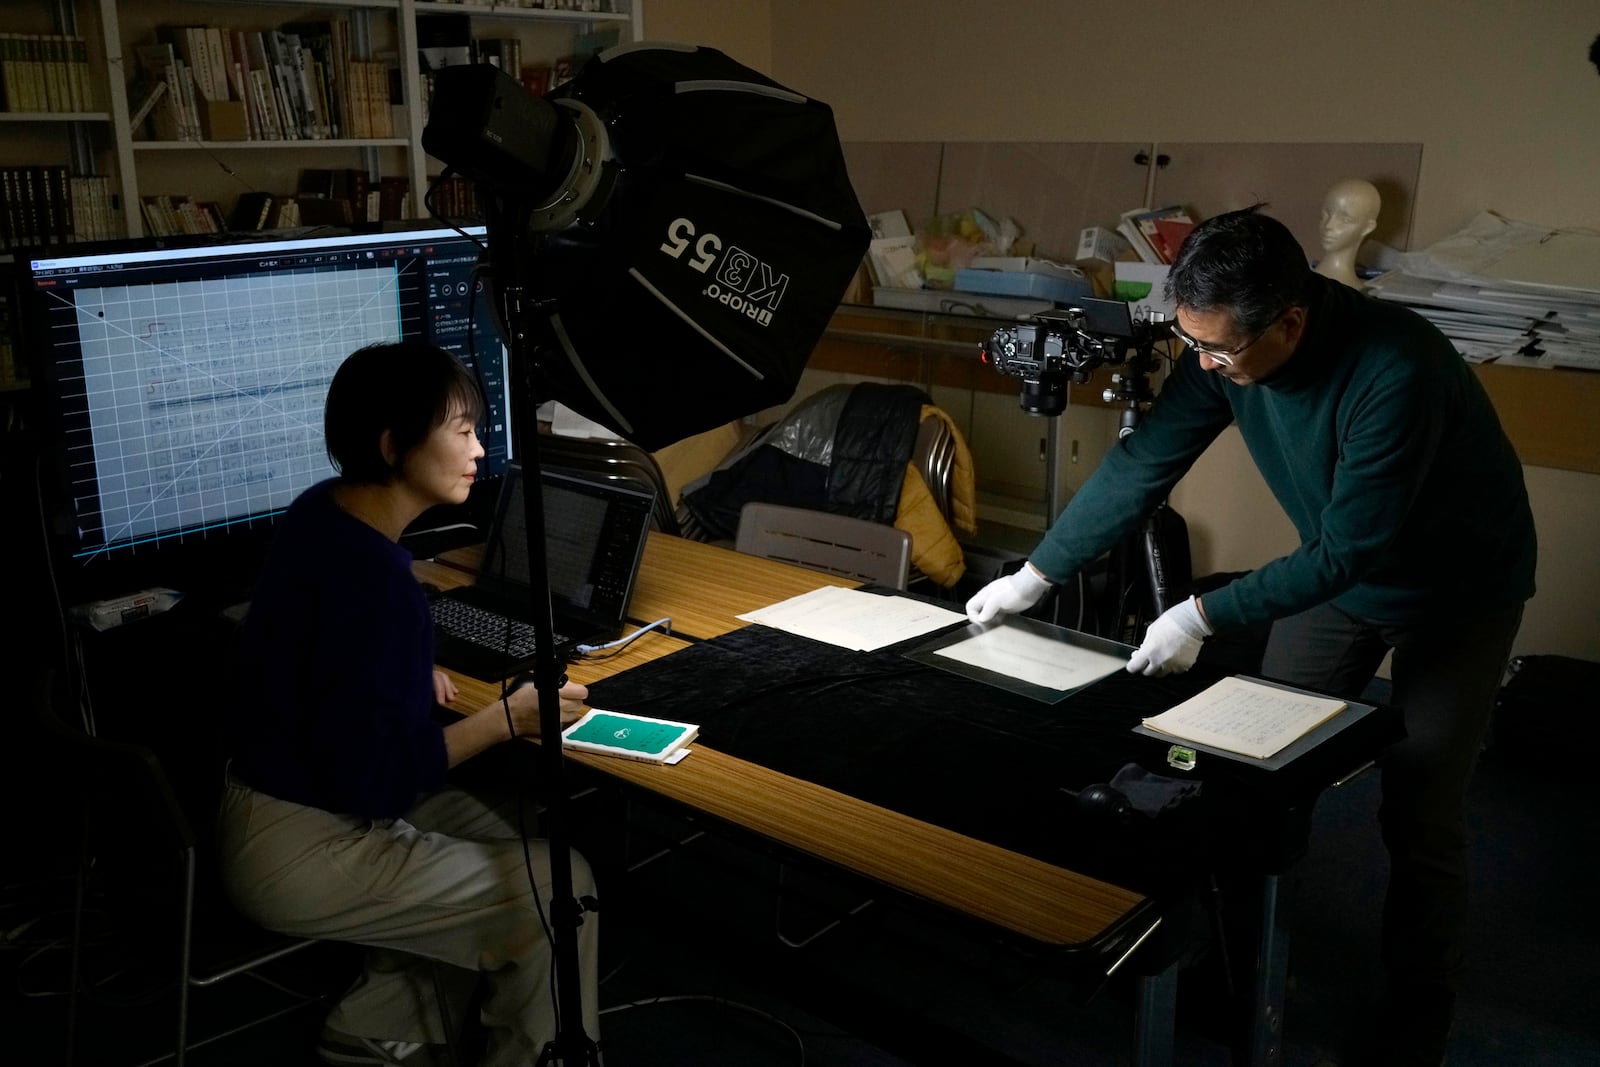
{"points": [[1246, 717], [1034, 658], [853, 619]]}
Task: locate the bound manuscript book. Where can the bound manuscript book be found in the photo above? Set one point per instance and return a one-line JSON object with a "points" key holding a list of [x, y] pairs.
{"points": [[1247, 717]]}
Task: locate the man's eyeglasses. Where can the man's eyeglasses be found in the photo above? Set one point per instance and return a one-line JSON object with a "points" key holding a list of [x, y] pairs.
{"points": [[1224, 356]]}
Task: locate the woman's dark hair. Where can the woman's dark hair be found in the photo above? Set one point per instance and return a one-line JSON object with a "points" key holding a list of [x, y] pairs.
{"points": [[407, 388], [1243, 262]]}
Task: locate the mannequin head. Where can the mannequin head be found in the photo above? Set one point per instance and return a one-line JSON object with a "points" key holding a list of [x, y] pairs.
{"points": [[1349, 214]]}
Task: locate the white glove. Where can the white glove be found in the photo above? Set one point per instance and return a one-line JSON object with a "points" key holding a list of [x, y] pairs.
{"points": [[1008, 595], [1172, 643]]}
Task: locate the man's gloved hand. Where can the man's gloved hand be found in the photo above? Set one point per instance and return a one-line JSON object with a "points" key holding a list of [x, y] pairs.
{"points": [[1172, 642], [1008, 595]]}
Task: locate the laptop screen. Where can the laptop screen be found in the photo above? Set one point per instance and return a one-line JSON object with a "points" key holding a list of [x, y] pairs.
{"points": [[595, 531]]}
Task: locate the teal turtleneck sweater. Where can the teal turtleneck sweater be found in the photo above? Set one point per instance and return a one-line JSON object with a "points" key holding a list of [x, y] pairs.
{"points": [[1380, 445]]}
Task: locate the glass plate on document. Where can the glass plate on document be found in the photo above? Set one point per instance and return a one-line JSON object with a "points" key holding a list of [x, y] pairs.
{"points": [[1025, 656]]}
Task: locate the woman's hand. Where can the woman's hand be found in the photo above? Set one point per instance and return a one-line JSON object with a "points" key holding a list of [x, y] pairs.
{"points": [[444, 689], [524, 703]]}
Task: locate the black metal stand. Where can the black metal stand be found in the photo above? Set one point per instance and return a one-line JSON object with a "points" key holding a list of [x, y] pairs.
{"points": [[510, 252], [1142, 562]]}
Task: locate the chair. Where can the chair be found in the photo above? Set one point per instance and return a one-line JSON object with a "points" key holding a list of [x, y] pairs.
{"points": [[614, 459], [835, 544], [934, 455], [126, 785], [127, 778], [821, 541]]}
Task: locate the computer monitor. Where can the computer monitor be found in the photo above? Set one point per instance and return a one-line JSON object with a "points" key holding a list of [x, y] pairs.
{"points": [[184, 383]]}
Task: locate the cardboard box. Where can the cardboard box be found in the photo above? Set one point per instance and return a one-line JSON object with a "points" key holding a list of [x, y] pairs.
{"points": [[1141, 285], [223, 120], [1096, 244]]}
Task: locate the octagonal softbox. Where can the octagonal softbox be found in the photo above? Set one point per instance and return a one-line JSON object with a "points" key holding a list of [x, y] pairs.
{"points": [[719, 233]]}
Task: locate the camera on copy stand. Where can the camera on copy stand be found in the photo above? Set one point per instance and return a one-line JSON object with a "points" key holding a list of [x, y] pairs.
{"points": [[1055, 347]]}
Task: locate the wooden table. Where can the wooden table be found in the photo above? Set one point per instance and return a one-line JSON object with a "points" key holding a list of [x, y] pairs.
{"points": [[703, 588]]}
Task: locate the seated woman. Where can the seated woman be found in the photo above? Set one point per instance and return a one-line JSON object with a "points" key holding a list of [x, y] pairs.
{"points": [[337, 821]]}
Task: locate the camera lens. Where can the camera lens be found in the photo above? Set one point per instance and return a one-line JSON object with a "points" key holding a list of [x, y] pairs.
{"points": [[1044, 395]]}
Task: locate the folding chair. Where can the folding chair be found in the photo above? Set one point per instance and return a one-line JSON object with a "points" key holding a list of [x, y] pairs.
{"points": [[615, 459], [835, 544], [126, 782]]}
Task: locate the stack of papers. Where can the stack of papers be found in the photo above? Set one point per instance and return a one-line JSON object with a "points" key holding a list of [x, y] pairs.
{"points": [[1507, 291], [853, 619]]}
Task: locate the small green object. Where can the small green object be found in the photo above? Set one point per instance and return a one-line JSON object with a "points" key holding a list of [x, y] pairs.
{"points": [[1181, 758], [627, 732]]}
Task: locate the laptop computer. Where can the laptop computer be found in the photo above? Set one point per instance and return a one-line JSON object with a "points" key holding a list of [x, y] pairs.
{"points": [[595, 531]]}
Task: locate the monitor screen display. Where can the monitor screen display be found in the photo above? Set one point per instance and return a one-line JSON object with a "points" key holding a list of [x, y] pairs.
{"points": [[186, 379]]}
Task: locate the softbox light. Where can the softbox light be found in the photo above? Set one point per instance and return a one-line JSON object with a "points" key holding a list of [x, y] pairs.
{"points": [[692, 229]]}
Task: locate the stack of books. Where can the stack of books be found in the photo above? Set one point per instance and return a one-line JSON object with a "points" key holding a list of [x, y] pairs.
{"points": [[300, 82], [42, 205], [1156, 234], [45, 72]]}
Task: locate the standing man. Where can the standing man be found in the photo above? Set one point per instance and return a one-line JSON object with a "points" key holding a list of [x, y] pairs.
{"points": [[1415, 536]]}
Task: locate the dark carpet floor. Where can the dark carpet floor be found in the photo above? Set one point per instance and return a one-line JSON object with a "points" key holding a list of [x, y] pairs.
{"points": [[684, 984]]}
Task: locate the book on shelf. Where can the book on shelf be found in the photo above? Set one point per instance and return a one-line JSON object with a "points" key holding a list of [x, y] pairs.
{"points": [[536, 78], [250, 212], [16, 72], [285, 213], [444, 41], [188, 43], [13, 371], [394, 198], [46, 72], [159, 63], [143, 100], [36, 206]]}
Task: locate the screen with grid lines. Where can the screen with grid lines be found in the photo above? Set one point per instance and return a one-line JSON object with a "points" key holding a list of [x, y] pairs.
{"points": [[187, 382]]}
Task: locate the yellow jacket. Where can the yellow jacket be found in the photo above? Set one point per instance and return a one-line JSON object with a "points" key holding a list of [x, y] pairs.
{"points": [[935, 550]]}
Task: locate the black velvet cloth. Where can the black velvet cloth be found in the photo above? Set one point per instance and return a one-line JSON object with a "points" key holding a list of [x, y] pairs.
{"points": [[954, 752]]}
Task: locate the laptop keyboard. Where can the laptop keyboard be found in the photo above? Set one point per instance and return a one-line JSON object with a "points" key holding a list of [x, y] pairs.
{"points": [[489, 630]]}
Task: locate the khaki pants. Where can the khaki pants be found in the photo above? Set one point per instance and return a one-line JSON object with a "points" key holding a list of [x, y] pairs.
{"points": [[446, 883]]}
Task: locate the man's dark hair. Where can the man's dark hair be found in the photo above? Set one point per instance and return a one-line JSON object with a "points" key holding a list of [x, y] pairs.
{"points": [[407, 388], [1243, 262]]}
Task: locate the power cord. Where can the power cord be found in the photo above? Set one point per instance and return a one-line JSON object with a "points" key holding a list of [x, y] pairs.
{"points": [[611, 648]]}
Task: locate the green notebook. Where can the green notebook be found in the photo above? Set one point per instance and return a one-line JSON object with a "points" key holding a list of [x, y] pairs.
{"points": [[631, 736]]}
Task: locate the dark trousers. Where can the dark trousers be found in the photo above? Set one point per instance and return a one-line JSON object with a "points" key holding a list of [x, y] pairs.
{"points": [[1446, 674]]}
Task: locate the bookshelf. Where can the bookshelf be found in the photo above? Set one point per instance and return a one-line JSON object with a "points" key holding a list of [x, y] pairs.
{"points": [[57, 134], [197, 162]]}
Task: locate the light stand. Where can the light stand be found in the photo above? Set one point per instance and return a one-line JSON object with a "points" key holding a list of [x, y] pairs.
{"points": [[1143, 556], [507, 234], [666, 193]]}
